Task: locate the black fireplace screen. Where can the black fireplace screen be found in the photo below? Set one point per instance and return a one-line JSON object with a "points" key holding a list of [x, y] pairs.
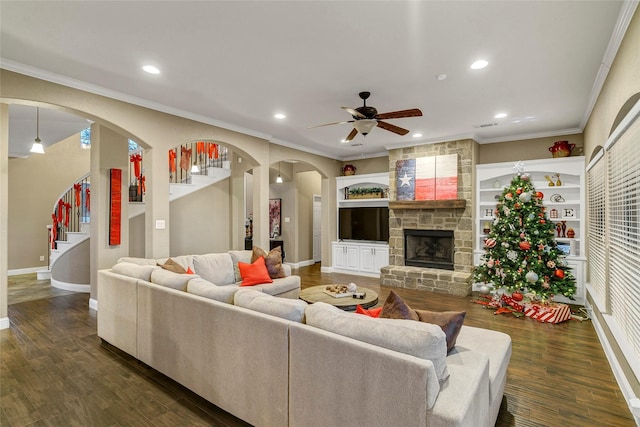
{"points": [[429, 248]]}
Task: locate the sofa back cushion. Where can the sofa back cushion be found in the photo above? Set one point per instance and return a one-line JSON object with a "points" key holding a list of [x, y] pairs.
{"points": [[418, 339], [137, 261], [137, 271], [204, 288], [239, 256], [285, 308], [216, 268], [170, 279]]}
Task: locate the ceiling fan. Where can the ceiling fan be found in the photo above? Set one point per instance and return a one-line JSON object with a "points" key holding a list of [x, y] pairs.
{"points": [[365, 118]]}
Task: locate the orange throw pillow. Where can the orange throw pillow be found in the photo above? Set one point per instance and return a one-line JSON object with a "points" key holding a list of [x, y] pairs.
{"points": [[374, 312], [255, 273], [190, 271]]}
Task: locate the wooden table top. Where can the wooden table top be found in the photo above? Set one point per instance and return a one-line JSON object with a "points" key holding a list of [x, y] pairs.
{"points": [[317, 294]]}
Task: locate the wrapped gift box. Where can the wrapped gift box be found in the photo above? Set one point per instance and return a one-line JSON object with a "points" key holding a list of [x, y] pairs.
{"points": [[549, 313]]}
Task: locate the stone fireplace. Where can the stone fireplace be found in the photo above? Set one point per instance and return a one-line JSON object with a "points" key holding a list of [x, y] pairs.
{"points": [[452, 218]]}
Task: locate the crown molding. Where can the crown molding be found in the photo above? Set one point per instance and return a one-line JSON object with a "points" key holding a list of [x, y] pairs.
{"points": [[533, 135]]}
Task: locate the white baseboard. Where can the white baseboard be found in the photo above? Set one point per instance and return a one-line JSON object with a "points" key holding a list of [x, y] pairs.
{"points": [[93, 304], [4, 323], [355, 273], [618, 373], [70, 286], [326, 270], [19, 271], [301, 263]]}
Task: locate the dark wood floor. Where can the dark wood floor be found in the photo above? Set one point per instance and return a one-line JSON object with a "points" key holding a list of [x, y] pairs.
{"points": [[55, 372]]}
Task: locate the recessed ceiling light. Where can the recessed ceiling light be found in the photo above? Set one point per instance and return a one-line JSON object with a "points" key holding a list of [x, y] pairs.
{"points": [[441, 77], [500, 115], [151, 69], [279, 116], [516, 121], [417, 135], [479, 64]]}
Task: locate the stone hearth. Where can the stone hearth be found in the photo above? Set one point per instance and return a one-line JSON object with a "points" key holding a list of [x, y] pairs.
{"points": [[458, 220]]}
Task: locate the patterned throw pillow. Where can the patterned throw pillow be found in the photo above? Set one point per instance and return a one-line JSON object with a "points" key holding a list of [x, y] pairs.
{"points": [[171, 265], [449, 321], [273, 261]]}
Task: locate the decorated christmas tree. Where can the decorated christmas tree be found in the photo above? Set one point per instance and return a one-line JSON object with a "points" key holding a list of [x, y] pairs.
{"points": [[520, 250]]}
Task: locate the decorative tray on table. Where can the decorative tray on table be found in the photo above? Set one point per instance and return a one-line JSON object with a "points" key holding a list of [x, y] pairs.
{"points": [[338, 291]]}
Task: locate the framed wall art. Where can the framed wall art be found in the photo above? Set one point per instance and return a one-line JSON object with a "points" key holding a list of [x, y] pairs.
{"points": [[275, 209]]}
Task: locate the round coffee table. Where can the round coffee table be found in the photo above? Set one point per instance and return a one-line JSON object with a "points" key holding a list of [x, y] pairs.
{"points": [[317, 294]]}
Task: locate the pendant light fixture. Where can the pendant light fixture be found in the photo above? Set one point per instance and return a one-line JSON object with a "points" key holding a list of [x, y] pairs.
{"points": [[279, 178], [37, 146]]}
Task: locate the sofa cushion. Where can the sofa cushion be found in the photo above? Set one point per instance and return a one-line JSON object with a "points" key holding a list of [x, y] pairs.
{"points": [[395, 308], [255, 273], [170, 279], [374, 312], [450, 321], [282, 286], [216, 268], [284, 308], [204, 288], [171, 265], [418, 339], [273, 261], [138, 261], [239, 256], [142, 272]]}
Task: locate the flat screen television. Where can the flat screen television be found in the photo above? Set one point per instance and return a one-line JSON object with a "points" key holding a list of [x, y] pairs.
{"points": [[364, 223]]}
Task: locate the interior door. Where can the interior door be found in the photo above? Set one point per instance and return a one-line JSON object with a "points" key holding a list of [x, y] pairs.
{"points": [[317, 228]]}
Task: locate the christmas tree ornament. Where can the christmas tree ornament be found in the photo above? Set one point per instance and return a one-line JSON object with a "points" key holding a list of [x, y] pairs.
{"points": [[519, 190], [484, 289], [524, 245], [559, 273], [517, 296], [490, 243], [551, 264], [531, 277], [508, 196], [540, 195]]}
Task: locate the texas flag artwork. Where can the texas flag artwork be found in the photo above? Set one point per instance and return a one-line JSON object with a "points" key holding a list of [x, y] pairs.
{"points": [[427, 178]]}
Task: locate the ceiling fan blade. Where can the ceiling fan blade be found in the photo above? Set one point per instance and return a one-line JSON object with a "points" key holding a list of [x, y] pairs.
{"points": [[329, 124], [354, 113], [351, 135], [414, 112], [392, 128]]}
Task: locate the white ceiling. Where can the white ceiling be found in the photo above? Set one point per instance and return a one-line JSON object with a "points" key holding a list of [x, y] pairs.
{"points": [[237, 63]]}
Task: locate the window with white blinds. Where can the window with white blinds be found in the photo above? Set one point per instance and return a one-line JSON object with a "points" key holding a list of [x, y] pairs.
{"points": [[597, 246], [614, 230]]}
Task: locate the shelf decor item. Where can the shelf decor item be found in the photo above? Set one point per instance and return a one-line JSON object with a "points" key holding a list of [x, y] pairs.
{"points": [[348, 170], [561, 149], [365, 193]]}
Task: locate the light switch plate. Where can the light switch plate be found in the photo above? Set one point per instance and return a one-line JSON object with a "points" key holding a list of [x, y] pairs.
{"points": [[160, 224]]}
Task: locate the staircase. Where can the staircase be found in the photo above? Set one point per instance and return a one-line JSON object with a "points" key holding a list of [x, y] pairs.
{"points": [[69, 250]]}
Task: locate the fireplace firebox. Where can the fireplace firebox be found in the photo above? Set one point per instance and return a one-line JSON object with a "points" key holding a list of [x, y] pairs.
{"points": [[429, 248]]}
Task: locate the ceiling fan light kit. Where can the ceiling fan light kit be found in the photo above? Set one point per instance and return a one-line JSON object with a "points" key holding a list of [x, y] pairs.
{"points": [[365, 118]]}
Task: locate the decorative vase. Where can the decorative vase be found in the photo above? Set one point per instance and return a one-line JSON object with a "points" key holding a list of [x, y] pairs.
{"points": [[348, 170], [561, 149]]}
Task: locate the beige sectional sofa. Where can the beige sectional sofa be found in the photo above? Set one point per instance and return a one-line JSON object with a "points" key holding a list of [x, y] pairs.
{"points": [[281, 362]]}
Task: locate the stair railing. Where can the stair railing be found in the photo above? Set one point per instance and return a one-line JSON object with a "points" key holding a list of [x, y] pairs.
{"points": [[203, 155], [71, 210]]}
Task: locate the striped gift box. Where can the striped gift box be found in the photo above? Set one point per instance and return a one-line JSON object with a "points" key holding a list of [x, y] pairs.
{"points": [[549, 313]]}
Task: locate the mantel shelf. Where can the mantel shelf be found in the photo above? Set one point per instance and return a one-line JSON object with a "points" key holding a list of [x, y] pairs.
{"points": [[428, 204]]}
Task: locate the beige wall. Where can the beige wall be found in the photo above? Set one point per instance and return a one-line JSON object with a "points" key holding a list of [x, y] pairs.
{"points": [[35, 183], [200, 221], [526, 149], [622, 83], [374, 165]]}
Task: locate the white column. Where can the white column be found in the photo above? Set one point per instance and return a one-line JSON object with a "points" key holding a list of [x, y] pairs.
{"points": [[4, 213]]}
